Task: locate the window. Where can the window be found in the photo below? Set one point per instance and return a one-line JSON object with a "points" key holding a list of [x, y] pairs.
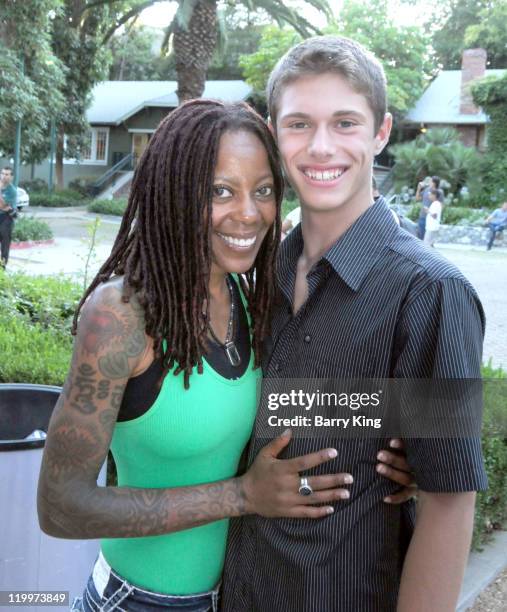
{"points": [[95, 148]]}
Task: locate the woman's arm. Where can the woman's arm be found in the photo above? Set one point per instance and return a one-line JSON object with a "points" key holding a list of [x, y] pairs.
{"points": [[110, 344]]}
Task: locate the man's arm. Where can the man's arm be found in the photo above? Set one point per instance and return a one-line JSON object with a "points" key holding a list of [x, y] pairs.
{"points": [[437, 555]]}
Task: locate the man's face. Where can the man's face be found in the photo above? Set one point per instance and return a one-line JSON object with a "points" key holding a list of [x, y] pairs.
{"points": [[325, 132], [6, 177], [504, 206]]}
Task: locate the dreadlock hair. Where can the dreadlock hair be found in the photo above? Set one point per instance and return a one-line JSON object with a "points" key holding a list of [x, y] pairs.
{"points": [[163, 245]]}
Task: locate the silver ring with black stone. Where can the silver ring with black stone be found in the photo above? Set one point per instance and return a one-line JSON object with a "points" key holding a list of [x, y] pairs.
{"points": [[304, 488]]}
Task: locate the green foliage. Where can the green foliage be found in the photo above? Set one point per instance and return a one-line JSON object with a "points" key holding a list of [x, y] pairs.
{"points": [[55, 200], [34, 185], [116, 206], [273, 44], [449, 30], [288, 206], [488, 32], [491, 189], [135, 57], [403, 51], [491, 505], [242, 30], [30, 76], [460, 215], [83, 184], [491, 94], [30, 228], [439, 152], [35, 320]]}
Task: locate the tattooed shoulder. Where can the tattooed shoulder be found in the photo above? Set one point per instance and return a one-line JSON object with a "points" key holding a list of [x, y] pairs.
{"points": [[112, 331]]}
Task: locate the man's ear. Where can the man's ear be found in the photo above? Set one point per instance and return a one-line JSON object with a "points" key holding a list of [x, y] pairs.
{"points": [[382, 137]]}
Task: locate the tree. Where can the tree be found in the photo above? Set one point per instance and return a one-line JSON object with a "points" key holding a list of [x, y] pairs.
{"points": [[240, 31], [403, 51], [136, 55], [194, 36], [467, 24], [31, 76], [81, 32], [489, 33]]}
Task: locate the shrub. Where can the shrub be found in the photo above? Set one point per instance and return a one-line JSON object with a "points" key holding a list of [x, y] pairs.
{"points": [[32, 354], [84, 185], [439, 152], [49, 301], [491, 505], [29, 228], [37, 184], [56, 200], [35, 320], [460, 215], [116, 206]]}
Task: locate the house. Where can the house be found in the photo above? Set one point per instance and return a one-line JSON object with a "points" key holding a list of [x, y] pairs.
{"points": [[122, 117], [448, 102]]}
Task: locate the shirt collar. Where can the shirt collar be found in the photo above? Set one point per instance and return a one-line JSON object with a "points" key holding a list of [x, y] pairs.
{"points": [[353, 255]]}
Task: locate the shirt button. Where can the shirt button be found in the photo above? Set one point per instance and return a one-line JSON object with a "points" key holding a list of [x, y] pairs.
{"points": [[278, 366], [307, 339]]}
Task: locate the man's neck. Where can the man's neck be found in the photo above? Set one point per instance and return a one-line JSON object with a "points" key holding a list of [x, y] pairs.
{"points": [[321, 229]]}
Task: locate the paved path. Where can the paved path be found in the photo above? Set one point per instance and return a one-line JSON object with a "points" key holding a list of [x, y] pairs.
{"points": [[485, 270]]}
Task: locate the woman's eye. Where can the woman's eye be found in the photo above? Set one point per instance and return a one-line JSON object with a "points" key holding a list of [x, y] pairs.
{"points": [[219, 191], [265, 191]]}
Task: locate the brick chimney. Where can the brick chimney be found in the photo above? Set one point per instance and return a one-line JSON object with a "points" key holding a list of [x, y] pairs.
{"points": [[473, 66]]}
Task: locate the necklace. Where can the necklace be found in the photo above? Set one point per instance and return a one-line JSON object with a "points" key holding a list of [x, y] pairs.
{"points": [[228, 346]]}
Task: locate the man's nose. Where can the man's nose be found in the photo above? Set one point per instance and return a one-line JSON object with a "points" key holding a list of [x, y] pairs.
{"points": [[322, 144]]}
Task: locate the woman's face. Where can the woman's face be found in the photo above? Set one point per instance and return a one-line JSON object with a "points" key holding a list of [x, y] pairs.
{"points": [[244, 204]]}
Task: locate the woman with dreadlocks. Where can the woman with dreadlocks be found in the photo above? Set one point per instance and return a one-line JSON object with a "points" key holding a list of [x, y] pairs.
{"points": [[164, 372]]}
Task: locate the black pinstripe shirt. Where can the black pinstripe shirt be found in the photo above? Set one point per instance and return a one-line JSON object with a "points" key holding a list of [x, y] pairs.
{"points": [[381, 304]]}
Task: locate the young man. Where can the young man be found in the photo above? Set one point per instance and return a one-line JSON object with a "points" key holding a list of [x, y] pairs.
{"points": [[497, 222], [359, 299], [8, 196], [433, 218]]}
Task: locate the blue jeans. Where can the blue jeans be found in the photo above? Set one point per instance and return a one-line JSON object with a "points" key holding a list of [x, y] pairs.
{"points": [[494, 228], [107, 591], [421, 227]]}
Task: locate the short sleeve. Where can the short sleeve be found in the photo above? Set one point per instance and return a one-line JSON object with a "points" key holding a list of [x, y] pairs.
{"points": [[440, 335]]}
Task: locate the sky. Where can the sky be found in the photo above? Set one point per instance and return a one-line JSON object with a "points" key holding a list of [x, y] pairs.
{"points": [[160, 14]]}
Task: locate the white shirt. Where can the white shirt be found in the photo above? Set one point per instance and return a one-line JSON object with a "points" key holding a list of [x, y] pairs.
{"points": [[432, 224]]}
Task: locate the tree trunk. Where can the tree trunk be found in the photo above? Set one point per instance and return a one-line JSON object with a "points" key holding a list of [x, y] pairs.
{"points": [[59, 159], [193, 50]]}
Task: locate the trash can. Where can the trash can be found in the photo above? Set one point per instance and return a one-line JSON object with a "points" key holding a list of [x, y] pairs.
{"points": [[29, 559]]}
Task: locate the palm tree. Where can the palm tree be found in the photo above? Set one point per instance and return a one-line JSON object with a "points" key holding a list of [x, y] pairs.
{"points": [[194, 33]]}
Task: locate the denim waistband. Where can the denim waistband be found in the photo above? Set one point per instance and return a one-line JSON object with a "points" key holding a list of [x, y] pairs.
{"points": [[104, 575]]}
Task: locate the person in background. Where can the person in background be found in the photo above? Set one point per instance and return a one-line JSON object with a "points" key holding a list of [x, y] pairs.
{"points": [[433, 218], [497, 222], [8, 197], [423, 195]]}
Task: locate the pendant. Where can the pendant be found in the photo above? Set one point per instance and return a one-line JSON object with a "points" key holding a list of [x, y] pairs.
{"points": [[232, 353]]}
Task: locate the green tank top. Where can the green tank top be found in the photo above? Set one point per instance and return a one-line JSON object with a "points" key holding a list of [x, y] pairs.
{"points": [[187, 437]]}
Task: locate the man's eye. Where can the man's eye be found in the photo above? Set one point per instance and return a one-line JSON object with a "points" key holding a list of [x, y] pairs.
{"points": [[265, 191], [299, 125], [219, 191], [345, 124]]}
